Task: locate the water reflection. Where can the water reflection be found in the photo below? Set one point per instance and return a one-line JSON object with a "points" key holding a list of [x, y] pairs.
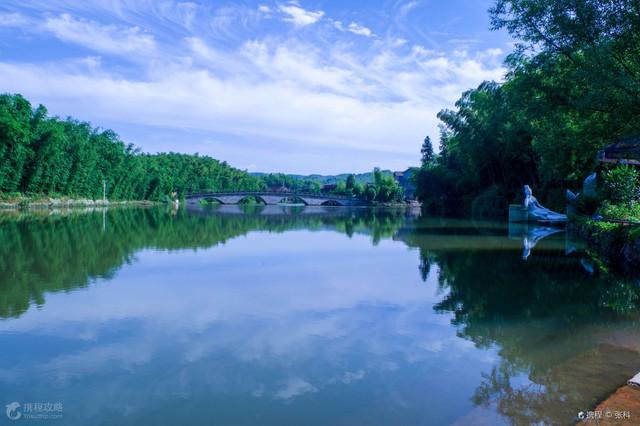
{"points": [[44, 252], [530, 235], [574, 336], [278, 315]]}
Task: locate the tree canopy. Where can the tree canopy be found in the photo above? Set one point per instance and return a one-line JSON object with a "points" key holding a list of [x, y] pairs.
{"points": [[49, 156], [572, 87]]}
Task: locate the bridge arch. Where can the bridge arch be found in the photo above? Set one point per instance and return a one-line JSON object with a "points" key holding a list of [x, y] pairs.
{"points": [[292, 199], [248, 197], [272, 198], [212, 200], [332, 203]]}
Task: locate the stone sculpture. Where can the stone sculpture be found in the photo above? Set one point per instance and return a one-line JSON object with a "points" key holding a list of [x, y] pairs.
{"points": [[537, 212]]}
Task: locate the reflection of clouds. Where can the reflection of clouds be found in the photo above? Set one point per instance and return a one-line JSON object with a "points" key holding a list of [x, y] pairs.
{"points": [[122, 356], [350, 377], [294, 387], [190, 290], [250, 318], [258, 391]]}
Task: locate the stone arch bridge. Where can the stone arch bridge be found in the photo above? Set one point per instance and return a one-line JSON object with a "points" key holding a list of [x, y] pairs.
{"points": [[271, 198]]}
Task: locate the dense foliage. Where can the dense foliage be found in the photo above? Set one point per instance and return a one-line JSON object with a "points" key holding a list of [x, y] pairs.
{"points": [[49, 156], [621, 186], [572, 87], [277, 181], [383, 188]]}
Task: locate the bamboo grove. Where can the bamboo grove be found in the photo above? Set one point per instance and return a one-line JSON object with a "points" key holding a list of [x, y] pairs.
{"points": [[42, 155]]}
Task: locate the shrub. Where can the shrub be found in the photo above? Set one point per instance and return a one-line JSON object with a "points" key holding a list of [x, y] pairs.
{"points": [[621, 211], [621, 185], [489, 204]]}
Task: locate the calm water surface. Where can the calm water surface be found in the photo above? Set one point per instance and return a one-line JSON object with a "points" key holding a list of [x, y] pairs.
{"points": [[305, 316]]}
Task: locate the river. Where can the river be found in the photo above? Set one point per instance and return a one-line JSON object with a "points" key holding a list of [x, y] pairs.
{"points": [[279, 315]]}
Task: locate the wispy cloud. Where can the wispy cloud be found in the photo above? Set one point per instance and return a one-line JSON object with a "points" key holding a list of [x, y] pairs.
{"points": [[299, 16], [354, 28], [13, 20], [405, 7], [223, 84], [104, 38]]}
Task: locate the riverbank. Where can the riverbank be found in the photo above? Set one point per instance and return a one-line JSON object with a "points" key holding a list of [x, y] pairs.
{"points": [[621, 408], [22, 202], [617, 243]]}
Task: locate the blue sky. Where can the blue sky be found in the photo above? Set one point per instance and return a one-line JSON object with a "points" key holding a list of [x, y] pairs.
{"points": [[293, 86]]}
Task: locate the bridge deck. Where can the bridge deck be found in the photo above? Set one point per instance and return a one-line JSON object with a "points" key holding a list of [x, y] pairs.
{"points": [[272, 194]]}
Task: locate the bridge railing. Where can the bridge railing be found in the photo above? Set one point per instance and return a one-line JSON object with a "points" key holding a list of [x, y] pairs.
{"points": [[265, 193]]}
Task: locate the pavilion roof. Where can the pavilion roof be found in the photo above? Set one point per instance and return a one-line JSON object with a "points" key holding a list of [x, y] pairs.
{"points": [[625, 151]]}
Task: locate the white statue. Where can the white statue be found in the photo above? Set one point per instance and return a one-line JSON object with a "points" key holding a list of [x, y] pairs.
{"points": [[537, 211]]}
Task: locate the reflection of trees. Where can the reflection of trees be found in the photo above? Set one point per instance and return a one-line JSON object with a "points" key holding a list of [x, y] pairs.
{"points": [[45, 253], [551, 320], [557, 393]]}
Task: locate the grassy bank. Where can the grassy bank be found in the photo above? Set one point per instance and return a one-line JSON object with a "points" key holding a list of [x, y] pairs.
{"points": [[18, 201]]}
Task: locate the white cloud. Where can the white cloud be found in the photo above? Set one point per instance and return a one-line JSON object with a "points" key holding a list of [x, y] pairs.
{"points": [[398, 42], [299, 16], [226, 80], [104, 38], [13, 20], [354, 28], [277, 91], [360, 29], [405, 8]]}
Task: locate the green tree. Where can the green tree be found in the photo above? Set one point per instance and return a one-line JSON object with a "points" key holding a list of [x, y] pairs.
{"points": [[572, 87], [427, 151], [350, 184], [48, 156]]}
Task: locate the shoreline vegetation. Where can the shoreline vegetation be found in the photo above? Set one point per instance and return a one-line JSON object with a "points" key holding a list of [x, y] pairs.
{"points": [[618, 244], [66, 202], [39, 202], [572, 88], [47, 157]]}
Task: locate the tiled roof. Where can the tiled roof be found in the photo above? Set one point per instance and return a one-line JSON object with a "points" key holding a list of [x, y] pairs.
{"points": [[626, 150]]}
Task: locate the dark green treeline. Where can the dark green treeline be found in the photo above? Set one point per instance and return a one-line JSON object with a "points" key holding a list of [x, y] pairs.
{"points": [[42, 155], [572, 87]]}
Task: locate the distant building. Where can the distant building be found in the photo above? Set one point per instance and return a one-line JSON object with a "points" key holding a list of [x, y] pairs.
{"points": [[405, 180], [625, 151]]}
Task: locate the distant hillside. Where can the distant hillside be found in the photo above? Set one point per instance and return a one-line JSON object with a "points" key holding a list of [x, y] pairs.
{"points": [[329, 179]]}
